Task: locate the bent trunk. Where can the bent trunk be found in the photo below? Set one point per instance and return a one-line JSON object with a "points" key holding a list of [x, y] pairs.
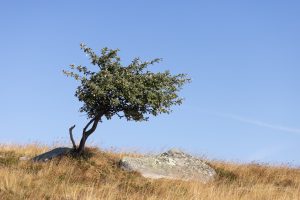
{"points": [[81, 146], [83, 140], [86, 133]]}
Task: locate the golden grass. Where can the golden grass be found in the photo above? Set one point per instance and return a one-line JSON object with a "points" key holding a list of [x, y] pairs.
{"points": [[98, 176]]}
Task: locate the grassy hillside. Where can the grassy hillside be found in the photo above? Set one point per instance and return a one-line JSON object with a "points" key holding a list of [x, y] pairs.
{"points": [[97, 176]]}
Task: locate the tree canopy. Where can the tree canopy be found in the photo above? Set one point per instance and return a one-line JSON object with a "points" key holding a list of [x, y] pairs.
{"points": [[131, 91]]}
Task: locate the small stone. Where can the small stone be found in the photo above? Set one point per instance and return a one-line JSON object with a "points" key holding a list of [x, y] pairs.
{"points": [[24, 158]]}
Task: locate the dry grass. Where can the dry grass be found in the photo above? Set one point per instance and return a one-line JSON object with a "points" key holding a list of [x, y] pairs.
{"points": [[98, 176]]}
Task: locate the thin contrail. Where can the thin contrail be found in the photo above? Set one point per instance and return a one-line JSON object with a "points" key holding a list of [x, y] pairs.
{"points": [[259, 123]]}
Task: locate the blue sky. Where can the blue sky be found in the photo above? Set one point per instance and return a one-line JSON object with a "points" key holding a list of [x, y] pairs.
{"points": [[243, 58]]}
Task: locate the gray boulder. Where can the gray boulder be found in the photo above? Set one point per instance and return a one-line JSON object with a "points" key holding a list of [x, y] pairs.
{"points": [[52, 154], [173, 164]]}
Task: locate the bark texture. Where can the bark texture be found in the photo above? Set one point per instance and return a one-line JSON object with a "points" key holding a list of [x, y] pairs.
{"points": [[87, 132]]}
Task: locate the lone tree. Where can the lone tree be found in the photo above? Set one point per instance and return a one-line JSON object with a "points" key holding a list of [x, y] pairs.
{"points": [[131, 92]]}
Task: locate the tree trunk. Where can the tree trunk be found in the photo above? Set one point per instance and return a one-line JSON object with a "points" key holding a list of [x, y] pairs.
{"points": [[86, 133], [81, 146]]}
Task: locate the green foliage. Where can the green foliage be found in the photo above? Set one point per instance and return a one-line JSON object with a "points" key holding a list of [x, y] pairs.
{"points": [[129, 91]]}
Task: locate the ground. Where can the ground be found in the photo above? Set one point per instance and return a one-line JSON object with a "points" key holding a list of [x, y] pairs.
{"points": [[98, 176]]}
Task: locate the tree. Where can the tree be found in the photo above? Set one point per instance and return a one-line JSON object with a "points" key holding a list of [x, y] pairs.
{"points": [[131, 92]]}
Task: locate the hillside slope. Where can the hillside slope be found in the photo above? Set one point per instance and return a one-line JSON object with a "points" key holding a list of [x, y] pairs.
{"points": [[98, 176]]}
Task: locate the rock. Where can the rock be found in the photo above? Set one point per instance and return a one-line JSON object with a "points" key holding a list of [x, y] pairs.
{"points": [[24, 158], [173, 164], [52, 154]]}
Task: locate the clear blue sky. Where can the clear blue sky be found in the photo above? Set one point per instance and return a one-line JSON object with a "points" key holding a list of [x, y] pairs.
{"points": [[243, 58]]}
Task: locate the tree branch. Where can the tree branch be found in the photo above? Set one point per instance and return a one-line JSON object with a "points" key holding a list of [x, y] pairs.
{"points": [[93, 128], [95, 121], [120, 116], [71, 136], [88, 124]]}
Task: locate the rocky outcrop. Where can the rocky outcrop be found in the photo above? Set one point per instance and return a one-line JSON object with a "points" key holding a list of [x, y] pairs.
{"points": [[173, 164], [52, 154]]}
